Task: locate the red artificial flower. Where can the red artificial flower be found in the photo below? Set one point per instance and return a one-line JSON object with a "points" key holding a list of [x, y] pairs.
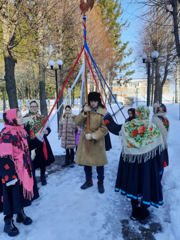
{"points": [[6, 167], [134, 133], [106, 122], [14, 177], [6, 137], [138, 113]]}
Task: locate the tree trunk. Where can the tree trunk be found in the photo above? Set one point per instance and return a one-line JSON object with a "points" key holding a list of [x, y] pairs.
{"points": [[177, 82], [4, 99], [24, 102], [10, 81], [156, 94], [42, 90], [174, 4]]}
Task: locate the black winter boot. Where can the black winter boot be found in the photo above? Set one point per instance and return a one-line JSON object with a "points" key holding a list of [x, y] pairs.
{"points": [[43, 179], [71, 161], [144, 214], [66, 161], [100, 187], [87, 184], [21, 217], [135, 210], [10, 228]]}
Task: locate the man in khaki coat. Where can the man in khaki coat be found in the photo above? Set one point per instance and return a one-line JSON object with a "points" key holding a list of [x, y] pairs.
{"points": [[97, 154]]}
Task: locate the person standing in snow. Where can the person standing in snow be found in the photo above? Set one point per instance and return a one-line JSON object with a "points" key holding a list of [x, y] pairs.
{"points": [[67, 131], [131, 113], [140, 162], [97, 155], [35, 121], [160, 120], [18, 185]]}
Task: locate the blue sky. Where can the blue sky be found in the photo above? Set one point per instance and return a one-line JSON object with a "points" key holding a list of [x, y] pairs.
{"points": [[131, 12]]}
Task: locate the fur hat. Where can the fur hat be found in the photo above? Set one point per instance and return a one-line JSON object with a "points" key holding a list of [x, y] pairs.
{"points": [[95, 96]]}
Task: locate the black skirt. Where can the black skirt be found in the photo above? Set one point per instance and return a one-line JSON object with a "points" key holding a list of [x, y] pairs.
{"points": [[141, 180], [12, 199], [40, 161]]}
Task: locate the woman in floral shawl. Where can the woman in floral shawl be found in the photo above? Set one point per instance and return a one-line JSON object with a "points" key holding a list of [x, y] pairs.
{"points": [[34, 122], [17, 183], [140, 163], [160, 120]]}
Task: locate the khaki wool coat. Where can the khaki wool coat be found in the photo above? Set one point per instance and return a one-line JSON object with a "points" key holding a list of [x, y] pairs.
{"points": [[98, 130], [67, 130]]}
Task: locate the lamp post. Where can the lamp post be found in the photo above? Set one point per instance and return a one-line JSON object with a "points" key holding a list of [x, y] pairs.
{"points": [[154, 55], [51, 64]]}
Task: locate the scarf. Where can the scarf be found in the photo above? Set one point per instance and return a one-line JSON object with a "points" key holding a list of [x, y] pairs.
{"points": [[71, 115], [13, 144], [36, 121], [160, 120], [140, 138], [133, 112]]}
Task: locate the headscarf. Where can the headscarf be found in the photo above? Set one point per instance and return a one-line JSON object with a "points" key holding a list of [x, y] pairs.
{"points": [[13, 144], [133, 113], [140, 138], [160, 120], [36, 121]]}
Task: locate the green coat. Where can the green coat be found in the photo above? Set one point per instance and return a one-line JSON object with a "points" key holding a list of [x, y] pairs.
{"points": [[98, 130]]}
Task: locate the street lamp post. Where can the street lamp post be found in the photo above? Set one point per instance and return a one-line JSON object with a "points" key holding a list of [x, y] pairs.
{"points": [[154, 55], [51, 64]]}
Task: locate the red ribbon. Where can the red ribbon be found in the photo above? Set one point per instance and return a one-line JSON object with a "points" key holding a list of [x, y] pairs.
{"points": [[45, 150]]}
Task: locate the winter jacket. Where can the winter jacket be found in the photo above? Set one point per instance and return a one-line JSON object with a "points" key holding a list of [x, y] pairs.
{"points": [[67, 130], [98, 130]]}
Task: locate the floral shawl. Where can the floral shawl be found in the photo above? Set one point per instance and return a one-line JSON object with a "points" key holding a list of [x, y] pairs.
{"points": [[160, 120], [140, 138], [36, 121], [13, 144]]}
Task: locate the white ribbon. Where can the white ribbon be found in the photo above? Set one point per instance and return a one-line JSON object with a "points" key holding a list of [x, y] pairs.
{"points": [[82, 89], [80, 72]]}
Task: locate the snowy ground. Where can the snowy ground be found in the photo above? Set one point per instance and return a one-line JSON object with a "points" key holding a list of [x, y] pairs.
{"points": [[65, 212]]}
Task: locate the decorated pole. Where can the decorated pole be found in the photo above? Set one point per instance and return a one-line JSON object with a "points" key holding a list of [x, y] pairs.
{"points": [[84, 27]]}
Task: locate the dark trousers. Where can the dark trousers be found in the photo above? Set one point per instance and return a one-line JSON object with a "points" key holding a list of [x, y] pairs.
{"points": [[43, 170], [99, 170], [70, 154]]}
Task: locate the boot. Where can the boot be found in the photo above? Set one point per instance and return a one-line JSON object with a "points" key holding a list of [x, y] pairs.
{"points": [[135, 210], [43, 179], [66, 161], [71, 161], [144, 214], [87, 184], [21, 217], [100, 187], [10, 228]]}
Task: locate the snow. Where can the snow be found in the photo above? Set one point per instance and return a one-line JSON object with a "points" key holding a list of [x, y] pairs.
{"points": [[66, 212]]}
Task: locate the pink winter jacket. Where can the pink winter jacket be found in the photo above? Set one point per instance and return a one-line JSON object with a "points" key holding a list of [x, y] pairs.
{"points": [[67, 130]]}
